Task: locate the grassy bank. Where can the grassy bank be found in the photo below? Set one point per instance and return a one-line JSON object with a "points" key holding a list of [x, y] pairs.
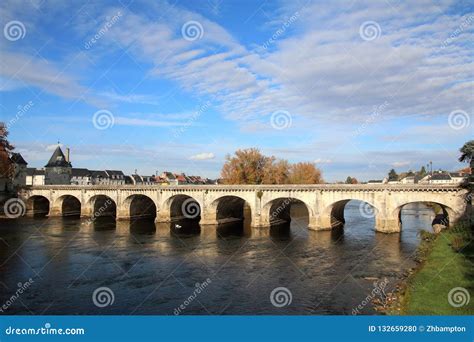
{"points": [[447, 262]]}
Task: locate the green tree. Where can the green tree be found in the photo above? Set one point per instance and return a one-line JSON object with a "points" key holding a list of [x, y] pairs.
{"points": [[392, 175], [349, 180], [467, 155], [422, 172]]}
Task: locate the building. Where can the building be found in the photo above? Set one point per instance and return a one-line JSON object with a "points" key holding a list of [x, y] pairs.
{"points": [[99, 177], [457, 177], [59, 168], [408, 180], [181, 179], [81, 176], [115, 177], [148, 180], [161, 181], [19, 169], [378, 181], [169, 177], [440, 178], [34, 176]]}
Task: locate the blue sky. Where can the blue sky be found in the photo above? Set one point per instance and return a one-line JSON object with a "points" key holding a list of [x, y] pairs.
{"points": [[357, 87]]}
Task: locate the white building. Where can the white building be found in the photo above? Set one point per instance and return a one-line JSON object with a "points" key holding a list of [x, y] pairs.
{"points": [[457, 178], [34, 176], [81, 176]]}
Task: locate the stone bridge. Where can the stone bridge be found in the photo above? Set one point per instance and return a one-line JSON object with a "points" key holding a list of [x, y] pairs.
{"points": [[263, 205]]}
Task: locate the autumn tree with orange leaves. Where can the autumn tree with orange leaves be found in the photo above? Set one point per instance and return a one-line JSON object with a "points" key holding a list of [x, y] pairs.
{"points": [[250, 166], [305, 173]]}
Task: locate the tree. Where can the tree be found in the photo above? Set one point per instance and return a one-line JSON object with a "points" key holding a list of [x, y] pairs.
{"points": [[392, 175], [305, 173], [467, 155], [422, 172], [6, 167], [250, 166], [351, 180], [277, 172], [245, 167]]}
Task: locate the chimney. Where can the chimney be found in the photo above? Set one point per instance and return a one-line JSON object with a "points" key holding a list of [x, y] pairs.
{"points": [[67, 154]]}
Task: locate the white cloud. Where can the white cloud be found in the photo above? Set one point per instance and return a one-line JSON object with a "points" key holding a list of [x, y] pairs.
{"points": [[16, 68], [53, 147], [124, 121], [130, 98], [325, 71], [323, 161], [400, 163], [203, 156]]}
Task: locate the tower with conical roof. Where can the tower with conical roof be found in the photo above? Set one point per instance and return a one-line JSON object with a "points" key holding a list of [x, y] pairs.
{"points": [[59, 168]]}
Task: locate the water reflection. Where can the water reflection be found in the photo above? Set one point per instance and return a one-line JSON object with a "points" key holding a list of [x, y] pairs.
{"points": [[152, 268]]}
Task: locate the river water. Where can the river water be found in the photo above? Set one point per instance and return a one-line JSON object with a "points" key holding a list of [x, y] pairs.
{"points": [[171, 269]]}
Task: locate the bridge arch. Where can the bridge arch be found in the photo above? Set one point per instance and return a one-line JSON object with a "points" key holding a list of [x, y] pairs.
{"points": [[334, 213], [139, 206], [229, 208], [180, 207], [443, 213], [66, 206], [279, 210], [102, 206], [37, 206]]}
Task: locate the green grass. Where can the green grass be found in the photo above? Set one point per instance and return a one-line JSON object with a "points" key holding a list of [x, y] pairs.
{"points": [[448, 262]]}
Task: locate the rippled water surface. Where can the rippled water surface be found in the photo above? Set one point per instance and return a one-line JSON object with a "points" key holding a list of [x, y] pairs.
{"points": [[154, 268]]}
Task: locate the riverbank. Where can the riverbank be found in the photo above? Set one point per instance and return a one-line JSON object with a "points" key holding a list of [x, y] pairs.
{"points": [[446, 266]]}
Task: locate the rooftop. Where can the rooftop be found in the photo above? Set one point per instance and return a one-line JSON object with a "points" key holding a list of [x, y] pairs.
{"points": [[58, 159]]}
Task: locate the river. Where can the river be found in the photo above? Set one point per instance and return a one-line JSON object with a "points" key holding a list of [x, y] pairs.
{"points": [[158, 268]]}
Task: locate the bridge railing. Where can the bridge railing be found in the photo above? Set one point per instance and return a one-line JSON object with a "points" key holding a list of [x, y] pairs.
{"points": [[300, 187]]}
